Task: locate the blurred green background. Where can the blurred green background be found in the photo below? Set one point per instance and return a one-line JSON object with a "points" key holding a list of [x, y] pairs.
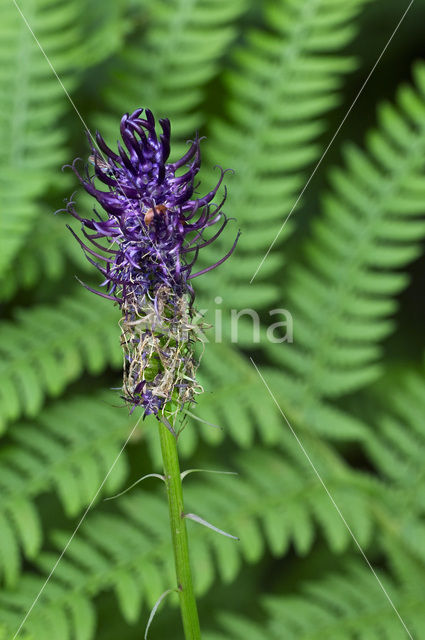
{"points": [[268, 84]]}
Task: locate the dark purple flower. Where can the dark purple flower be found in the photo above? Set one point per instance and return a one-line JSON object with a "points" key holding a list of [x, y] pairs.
{"points": [[145, 244], [154, 226]]}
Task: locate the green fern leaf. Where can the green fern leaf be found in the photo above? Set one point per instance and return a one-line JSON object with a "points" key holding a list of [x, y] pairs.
{"points": [[47, 347], [395, 446], [286, 79], [31, 100], [64, 617], [342, 297], [70, 451], [49, 252], [237, 402], [168, 70], [133, 552], [341, 606]]}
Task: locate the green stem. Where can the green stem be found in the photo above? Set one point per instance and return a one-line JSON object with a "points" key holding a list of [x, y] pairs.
{"points": [[188, 607]]}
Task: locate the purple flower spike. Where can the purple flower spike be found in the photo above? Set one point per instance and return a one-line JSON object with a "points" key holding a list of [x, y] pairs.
{"points": [[145, 246]]}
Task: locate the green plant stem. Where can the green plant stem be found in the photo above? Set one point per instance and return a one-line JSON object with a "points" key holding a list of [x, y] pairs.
{"points": [[188, 606]]}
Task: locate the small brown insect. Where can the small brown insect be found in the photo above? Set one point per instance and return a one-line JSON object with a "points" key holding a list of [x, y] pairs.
{"points": [[96, 161], [150, 213]]}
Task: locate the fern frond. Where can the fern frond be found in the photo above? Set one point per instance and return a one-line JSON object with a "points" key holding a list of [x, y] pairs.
{"points": [[132, 556], [58, 615], [395, 442], [70, 460], [371, 227], [395, 447], [344, 605], [49, 251], [168, 69], [69, 450], [33, 105], [236, 400], [47, 347], [286, 79], [103, 27], [278, 501]]}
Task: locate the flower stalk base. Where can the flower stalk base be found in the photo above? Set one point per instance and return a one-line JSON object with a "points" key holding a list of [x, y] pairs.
{"points": [[173, 481]]}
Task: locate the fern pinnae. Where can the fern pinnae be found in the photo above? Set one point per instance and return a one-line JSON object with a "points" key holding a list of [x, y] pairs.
{"points": [[68, 340], [394, 448], [32, 100], [48, 254], [174, 85], [341, 299], [135, 544], [240, 403], [286, 79], [32, 123], [42, 458], [344, 605], [134, 547]]}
